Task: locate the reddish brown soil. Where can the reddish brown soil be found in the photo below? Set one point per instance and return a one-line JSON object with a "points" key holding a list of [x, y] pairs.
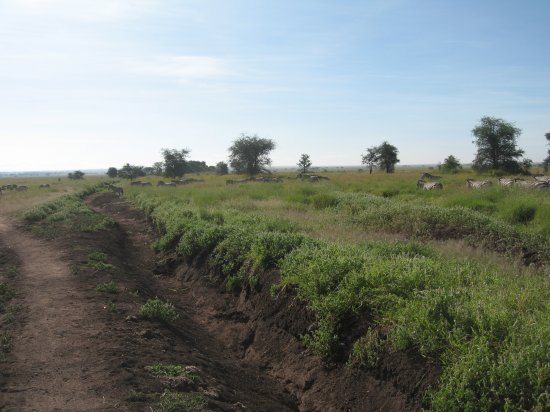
{"points": [[79, 349]]}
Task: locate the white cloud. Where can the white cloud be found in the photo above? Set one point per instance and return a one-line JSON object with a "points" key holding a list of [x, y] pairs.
{"points": [[183, 69], [85, 9]]}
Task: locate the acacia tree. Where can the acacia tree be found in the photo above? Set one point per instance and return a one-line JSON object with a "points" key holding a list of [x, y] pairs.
{"points": [[76, 175], [370, 158], [175, 162], [112, 172], [222, 168], [304, 163], [451, 164], [129, 171], [250, 154], [496, 146], [546, 162]]}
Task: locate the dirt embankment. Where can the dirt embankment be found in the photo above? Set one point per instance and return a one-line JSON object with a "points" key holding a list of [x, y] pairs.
{"points": [[80, 349]]}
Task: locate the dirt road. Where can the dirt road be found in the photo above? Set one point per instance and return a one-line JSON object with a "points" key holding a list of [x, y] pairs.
{"points": [[50, 367]]}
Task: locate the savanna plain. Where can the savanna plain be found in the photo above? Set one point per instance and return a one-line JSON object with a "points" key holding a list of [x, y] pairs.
{"points": [[357, 292]]}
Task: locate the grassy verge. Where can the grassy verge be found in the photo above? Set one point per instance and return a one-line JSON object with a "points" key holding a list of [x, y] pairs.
{"points": [[461, 313], [64, 214]]}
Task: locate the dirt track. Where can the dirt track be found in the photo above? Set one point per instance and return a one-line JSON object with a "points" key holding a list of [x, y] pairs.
{"points": [[51, 366], [77, 349]]}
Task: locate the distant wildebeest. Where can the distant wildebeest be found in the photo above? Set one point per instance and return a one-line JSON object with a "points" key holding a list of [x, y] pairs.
{"points": [[21, 188], [314, 179], [506, 182], [229, 182], [146, 184], [136, 183], [44, 186], [429, 176], [478, 184], [421, 184], [118, 191]]}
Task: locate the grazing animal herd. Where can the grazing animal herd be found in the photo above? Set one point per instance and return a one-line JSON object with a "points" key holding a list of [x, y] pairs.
{"points": [[539, 182]]}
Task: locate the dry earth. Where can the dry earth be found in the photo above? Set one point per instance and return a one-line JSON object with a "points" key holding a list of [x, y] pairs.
{"points": [[78, 349]]}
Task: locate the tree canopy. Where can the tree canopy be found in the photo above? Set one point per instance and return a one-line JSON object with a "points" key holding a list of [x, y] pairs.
{"points": [[222, 168], [76, 175], [250, 154], [175, 162], [112, 172], [384, 156], [304, 163], [129, 171], [451, 164], [496, 146]]}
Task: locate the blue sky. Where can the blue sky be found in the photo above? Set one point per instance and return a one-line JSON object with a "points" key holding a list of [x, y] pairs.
{"points": [[98, 83]]}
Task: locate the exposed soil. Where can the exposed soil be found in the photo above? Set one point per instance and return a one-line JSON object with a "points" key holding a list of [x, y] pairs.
{"points": [[79, 349]]}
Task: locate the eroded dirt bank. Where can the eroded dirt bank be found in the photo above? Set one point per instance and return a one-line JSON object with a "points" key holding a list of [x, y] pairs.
{"points": [[262, 332], [80, 349]]}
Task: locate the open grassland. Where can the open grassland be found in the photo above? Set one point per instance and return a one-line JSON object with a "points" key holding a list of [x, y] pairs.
{"points": [[363, 251], [359, 250], [12, 202]]}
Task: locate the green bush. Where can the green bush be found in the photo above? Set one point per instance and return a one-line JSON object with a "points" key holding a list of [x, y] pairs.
{"points": [[181, 401], [156, 309], [522, 214]]}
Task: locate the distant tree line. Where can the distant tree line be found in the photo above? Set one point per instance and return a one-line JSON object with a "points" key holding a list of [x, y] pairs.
{"points": [[496, 142]]}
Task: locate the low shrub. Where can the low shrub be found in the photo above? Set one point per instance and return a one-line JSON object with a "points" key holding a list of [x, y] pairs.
{"points": [[182, 401], [156, 309], [107, 287]]}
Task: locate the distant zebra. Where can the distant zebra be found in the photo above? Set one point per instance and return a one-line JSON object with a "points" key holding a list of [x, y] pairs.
{"points": [[478, 184], [429, 177], [44, 186], [421, 184], [531, 185], [506, 182], [542, 178], [162, 184]]}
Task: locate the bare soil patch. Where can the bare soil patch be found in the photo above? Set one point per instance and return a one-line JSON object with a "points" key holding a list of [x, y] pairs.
{"points": [[80, 349]]}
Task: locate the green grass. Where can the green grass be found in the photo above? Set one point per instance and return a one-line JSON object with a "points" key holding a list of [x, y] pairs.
{"points": [[488, 326], [65, 213], [178, 401], [156, 309], [98, 262], [107, 287]]}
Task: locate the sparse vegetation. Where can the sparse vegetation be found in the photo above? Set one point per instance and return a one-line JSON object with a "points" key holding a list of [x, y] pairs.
{"points": [[98, 262], [181, 401], [107, 287], [156, 309]]}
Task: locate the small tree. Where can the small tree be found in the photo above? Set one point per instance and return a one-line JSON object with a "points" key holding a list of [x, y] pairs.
{"points": [[250, 154], [76, 175], [158, 169], [222, 168], [546, 162], [112, 172], [387, 157], [304, 163], [370, 158], [175, 162], [129, 171], [451, 165], [496, 146]]}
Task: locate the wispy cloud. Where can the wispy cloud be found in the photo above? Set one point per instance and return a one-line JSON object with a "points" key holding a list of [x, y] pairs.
{"points": [[84, 9], [183, 69]]}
